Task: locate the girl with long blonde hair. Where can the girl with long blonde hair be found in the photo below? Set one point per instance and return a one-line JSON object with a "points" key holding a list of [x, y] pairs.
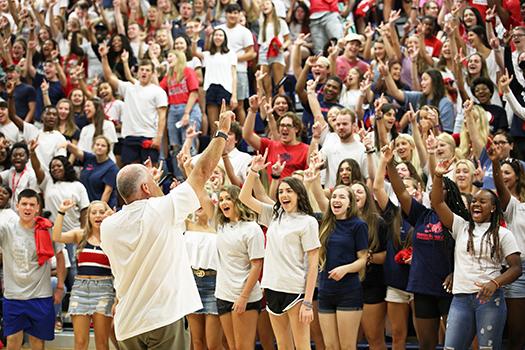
{"points": [[92, 295], [182, 86]]}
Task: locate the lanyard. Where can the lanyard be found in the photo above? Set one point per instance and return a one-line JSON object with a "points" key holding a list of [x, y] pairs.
{"points": [[15, 185]]}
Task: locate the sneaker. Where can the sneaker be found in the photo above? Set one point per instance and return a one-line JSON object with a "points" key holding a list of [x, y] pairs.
{"points": [[58, 325]]}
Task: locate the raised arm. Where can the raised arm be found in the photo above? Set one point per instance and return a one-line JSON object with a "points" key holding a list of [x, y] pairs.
{"points": [[108, 74], [211, 156], [446, 216], [312, 181], [74, 236], [405, 199], [391, 86], [248, 133], [35, 162], [504, 194], [301, 80], [246, 195], [11, 109], [379, 182], [472, 128], [74, 150]]}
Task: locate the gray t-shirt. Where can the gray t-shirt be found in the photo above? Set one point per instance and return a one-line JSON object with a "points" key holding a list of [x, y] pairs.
{"points": [[23, 278]]}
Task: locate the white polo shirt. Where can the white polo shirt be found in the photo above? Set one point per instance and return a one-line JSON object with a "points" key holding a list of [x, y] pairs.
{"points": [[145, 246]]}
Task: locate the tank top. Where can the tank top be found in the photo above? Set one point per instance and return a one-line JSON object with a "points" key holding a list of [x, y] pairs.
{"points": [[92, 261]]}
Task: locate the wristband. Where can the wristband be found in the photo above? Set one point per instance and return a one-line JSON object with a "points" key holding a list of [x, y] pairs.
{"points": [[61, 213], [275, 176], [496, 283], [438, 175], [59, 287], [308, 304], [370, 151]]}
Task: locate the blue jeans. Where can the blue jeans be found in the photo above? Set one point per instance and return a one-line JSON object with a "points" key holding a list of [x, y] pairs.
{"points": [[178, 135], [468, 317]]}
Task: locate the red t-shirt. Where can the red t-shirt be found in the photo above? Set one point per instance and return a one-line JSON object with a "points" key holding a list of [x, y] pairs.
{"points": [[433, 46], [295, 156], [179, 92]]}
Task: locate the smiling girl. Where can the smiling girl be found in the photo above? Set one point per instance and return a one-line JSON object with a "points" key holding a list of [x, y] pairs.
{"points": [[291, 257]]}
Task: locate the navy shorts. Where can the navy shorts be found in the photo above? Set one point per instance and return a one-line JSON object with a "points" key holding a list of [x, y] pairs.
{"points": [[430, 306], [348, 301], [216, 93], [134, 152], [34, 316]]}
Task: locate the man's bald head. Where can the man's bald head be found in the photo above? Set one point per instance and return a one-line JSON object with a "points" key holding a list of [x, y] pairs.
{"points": [[129, 181]]}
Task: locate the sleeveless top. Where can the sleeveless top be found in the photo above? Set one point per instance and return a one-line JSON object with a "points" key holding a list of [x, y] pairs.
{"points": [[92, 261]]}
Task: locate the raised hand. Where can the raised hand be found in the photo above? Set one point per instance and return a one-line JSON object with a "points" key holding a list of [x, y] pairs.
{"points": [[124, 56], [191, 131], [253, 101], [103, 49], [278, 167], [225, 118], [479, 173], [504, 82], [259, 162], [301, 39], [387, 152], [443, 167], [431, 143], [467, 106], [490, 13], [155, 172], [311, 85], [260, 74], [66, 205]]}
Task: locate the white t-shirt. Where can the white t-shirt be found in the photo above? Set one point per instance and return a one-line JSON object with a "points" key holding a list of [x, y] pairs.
{"points": [[48, 143], [194, 63], [237, 244], [239, 38], [515, 217], [270, 33], [11, 132], [288, 239], [18, 182], [470, 269], [202, 249], [145, 246], [140, 117], [56, 192], [85, 141], [334, 151], [219, 69]]}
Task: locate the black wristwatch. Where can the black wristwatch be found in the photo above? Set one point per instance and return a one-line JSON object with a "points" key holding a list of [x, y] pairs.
{"points": [[221, 134]]}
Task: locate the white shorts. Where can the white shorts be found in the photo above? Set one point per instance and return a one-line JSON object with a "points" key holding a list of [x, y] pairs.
{"points": [[394, 295]]}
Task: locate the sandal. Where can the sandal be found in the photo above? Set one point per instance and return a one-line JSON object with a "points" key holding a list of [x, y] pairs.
{"points": [[58, 326]]}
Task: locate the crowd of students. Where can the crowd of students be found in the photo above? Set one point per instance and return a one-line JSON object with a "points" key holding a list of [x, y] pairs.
{"points": [[373, 177]]}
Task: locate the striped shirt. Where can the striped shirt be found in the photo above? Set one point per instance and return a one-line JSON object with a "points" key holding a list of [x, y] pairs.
{"points": [[92, 261]]}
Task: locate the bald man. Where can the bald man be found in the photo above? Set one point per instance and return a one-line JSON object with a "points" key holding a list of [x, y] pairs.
{"points": [[153, 278]]}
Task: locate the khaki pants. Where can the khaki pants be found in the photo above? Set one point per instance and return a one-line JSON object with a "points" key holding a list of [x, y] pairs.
{"points": [[171, 337]]}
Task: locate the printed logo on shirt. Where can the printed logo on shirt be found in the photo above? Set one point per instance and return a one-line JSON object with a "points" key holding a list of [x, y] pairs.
{"points": [[285, 157], [433, 232]]}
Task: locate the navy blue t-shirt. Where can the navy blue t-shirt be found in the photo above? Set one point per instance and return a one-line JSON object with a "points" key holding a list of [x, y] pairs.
{"points": [[396, 275], [55, 94], [432, 259], [374, 276], [308, 117], [348, 237], [23, 94], [95, 176]]}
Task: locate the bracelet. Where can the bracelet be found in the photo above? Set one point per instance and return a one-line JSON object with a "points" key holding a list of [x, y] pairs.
{"points": [[438, 175], [275, 176], [59, 287], [371, 150], [308, 304], [61, 213], [256, 173], [496, 283]]}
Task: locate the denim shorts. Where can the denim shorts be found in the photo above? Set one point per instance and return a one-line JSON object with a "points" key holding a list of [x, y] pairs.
{"points": [[517, 288], [264, 60], [348, 301], [243, 86], [90, 296], [206, 287]]}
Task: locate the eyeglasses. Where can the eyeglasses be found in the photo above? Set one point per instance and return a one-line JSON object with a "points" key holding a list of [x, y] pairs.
{"points": [[498, 143], [289, 126]]}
